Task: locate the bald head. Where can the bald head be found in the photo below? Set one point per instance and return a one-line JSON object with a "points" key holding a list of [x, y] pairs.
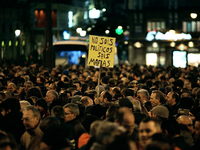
{"points": [[125, 118], [186, 120]]}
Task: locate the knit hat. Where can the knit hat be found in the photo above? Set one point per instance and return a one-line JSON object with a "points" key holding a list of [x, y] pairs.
{"points": [[65, 72], [76, 99], [42, 103], [161, 111], [125, 102]]}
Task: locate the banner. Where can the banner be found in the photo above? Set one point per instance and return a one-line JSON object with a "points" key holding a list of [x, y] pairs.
{"points": [[101, 51]]}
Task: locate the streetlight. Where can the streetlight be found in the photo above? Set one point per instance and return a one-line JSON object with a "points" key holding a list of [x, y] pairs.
{"points": [[193, 15], [17, 33]]}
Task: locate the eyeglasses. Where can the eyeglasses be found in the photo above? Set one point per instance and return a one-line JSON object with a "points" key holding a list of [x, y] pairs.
{"points": [[27, 119], [190, 125], [67, 113]]}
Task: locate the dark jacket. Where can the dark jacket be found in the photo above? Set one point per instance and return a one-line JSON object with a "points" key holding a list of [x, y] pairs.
{"points": [[12, 123], [78, 130]]}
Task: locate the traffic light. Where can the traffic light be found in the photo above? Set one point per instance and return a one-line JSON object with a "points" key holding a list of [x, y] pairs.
{"points": [[119, 30]]}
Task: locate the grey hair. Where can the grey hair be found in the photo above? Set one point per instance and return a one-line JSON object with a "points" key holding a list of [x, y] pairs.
{"points": [[136, 105], [23, 104], [94, 126], [34, 109], [107, 131], [54, 93], [28, 82], [144, 92], [73, 108]]}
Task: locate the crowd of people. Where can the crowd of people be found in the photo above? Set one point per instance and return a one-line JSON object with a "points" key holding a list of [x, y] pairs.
{"points": [[127, 107]]}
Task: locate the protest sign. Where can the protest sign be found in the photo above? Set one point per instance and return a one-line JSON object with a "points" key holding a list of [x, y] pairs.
{"points": [[101, 51]]}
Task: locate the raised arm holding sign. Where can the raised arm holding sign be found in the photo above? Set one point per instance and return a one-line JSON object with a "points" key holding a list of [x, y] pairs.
{"points": [[101, 53]]}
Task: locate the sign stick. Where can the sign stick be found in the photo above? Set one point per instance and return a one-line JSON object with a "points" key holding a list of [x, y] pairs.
{"points": [[98, 89]]}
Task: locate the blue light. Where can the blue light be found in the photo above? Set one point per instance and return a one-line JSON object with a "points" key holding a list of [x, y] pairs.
{"points": [[66, 35]]}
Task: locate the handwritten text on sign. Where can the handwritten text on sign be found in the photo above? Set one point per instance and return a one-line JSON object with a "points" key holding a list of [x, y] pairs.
{"points": [[101, 51]]}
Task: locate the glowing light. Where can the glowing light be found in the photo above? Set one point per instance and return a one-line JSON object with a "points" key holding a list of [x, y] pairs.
{"points": [[16, 43], [151, 59], [172, 44], [2, 43], [167, 36], [103, 9], [78, 30], [191, 44], [193, 15], [107, 31], [94, 13], [138, 44], [70, 17], [83, 33], [89, 29], [17, 32], [125, 42], [83, 56], [155, 44], [10, 43], [66, 35]]}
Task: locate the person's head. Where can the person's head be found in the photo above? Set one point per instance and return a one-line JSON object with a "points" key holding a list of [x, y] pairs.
{"points": [[41, 104], [11, 87], [55, 136], [58, 112], [171, 127], [160, 141], [71, 111], [126, 119], [107, 131], [78, 85], [148, 127], [86, 101], [194, 112], [187, 85], [156, 98], [125, 102], [27, 85], [52, 86], [172, 98], [136, 105], [10, 105], [51, 95], [143, 95], [7, 142], [34, 91], [187, 121], [23, 104], [105, 97], [31, 117], [197, 128], [160, 112]]}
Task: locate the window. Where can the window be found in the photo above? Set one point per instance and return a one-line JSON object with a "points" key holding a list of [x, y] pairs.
{"points": [[155, 25], [191, 26]]}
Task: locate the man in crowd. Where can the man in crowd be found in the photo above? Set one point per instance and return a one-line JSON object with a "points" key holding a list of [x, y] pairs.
{"points": [[173, 101], [197, 133], [187, 129], [143, 95], [31, 139], [71, 118], [147, 127], [125, 118], [157, 98]]}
